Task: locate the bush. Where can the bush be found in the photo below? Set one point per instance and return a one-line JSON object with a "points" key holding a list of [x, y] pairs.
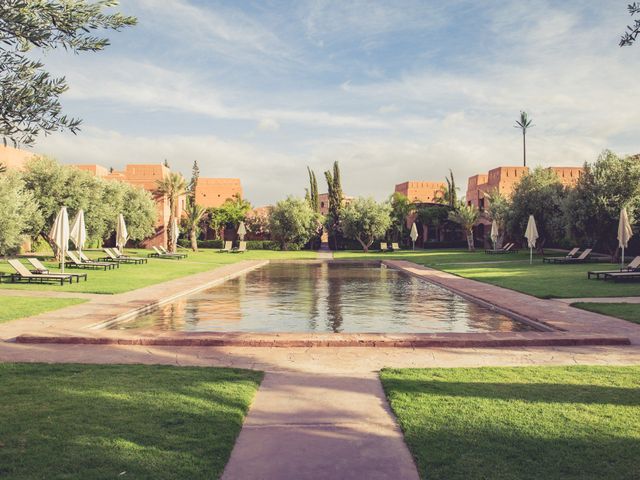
{"points": [[217, 244]]}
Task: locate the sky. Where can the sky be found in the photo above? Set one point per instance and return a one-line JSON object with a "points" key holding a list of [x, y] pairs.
{"points": [[393, 91]]}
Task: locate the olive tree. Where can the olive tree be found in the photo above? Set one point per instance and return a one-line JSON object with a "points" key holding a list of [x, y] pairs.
{"points": [[18, 212], [292, 222], [365, 220], [541, 194], [592, 208]]}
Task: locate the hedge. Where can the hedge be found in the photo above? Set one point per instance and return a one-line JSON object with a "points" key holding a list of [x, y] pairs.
{"points": [[217, 244]]}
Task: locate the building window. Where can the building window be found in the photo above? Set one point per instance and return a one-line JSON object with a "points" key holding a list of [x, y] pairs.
{"points": [[321, 204], [481, 204]]}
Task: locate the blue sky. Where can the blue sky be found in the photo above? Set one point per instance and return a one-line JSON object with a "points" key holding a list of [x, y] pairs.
{"points": [[394, 91]]}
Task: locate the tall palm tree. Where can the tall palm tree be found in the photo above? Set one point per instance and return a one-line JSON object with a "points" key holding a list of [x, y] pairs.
{"points": [[194, 214], [523, 124], [466, 216], [173, 186]]}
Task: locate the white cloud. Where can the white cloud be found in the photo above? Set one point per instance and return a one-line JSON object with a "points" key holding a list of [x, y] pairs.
{"points": [[268, 125]]}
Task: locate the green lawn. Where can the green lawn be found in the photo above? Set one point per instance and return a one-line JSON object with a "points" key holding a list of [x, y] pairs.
{"points": [[120, 421], [560, 423], [131, 277], [514, 272], [19, 307], [625, 311]]}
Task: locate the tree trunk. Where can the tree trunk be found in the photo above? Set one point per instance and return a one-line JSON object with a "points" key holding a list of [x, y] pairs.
{"points": [[524, 148], [194, 240], [365, 246], [470, 244]]}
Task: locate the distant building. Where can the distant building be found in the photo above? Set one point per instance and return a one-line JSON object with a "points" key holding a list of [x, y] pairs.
{"points": [[213, 192], [504, 179], [323, 202], [14, 158], [422, 192]]}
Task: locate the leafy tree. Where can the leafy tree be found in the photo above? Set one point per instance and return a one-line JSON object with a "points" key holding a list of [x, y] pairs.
{"points": [[292, 222], [592, 208], [539, 193], [3, 168], [30, 96], [401, 207], [18, 213], [257, 222], [139, 211], [193, 220], [314, 200], [524, 123], [435, 216], [334, 189], [450, 194], [498, 210], [629, 37], [193, 183], [229, 214], [173, 186], [466, 216], [365, 220]]}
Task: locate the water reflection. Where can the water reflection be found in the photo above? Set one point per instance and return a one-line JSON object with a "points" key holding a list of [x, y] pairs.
{"points": [[325, 297]]}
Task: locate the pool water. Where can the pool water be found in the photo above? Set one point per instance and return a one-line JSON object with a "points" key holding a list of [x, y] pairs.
{"points": [[324, 297]]}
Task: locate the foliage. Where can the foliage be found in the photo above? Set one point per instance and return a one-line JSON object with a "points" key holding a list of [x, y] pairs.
{"points": [[401, 207], [192, 220], [233, 211], [434, 216], [292, 222], [257, 222], [18, 213], [450, 194], [3, 168], [334, 189], [193, 183], [498, 211], [524, 123], [30, 96], [54, 185], [366, 220], [314, 199], [466, 216], [592, 208], [539, 193], [629, 37], [173, 186]]}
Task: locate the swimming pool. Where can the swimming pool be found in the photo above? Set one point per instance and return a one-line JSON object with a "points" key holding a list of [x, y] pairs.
{"points": [[324, 297]]}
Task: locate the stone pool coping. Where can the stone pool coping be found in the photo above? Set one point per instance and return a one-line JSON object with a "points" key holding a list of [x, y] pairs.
{"points": [[565, 325]]}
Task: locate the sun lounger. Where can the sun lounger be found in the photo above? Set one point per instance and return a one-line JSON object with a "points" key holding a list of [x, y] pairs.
{"points": [[168, 256], [632, 266], [241, 248], [384, 247], [23, 273], [227, 247], [117, 253], [86, 260], [38, 267], [78, 263], [572, 253], [395, 247], [164, 251], [583, 258], [112, 257], [619, 276], [507, 248]]}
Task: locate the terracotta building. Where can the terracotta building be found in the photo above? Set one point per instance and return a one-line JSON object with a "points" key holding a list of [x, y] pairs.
{"points": [[504, 180], [14, 158], [213, 192], [421, 192], [323, 200]]}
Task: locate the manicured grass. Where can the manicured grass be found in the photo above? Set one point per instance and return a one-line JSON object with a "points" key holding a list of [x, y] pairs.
{"points": [[514, 272], [120, 421], [625, 311], [19, 307], [131, 277], [560, 423]]}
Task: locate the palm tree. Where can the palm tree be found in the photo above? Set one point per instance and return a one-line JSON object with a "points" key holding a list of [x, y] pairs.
{"points": [[523, 124], [466, 216], [3, 168], [450, 192], [194, 215], [173, 186]]}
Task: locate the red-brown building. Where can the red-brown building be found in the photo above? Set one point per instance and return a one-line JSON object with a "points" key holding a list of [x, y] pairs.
{"points": [[421, 192], [213, 192]]}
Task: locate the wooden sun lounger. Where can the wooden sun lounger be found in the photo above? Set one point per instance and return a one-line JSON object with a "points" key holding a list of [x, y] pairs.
{"points": [[164, 251], [384, 247], [242, 247], [78, 263], [583, 258], [167, 256], [632, 266], [574, 251], [227, 247], [111, 257], [618, 276], [86, 259], [117, 253], [395, 247], [508, 248], [23, 273]]}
